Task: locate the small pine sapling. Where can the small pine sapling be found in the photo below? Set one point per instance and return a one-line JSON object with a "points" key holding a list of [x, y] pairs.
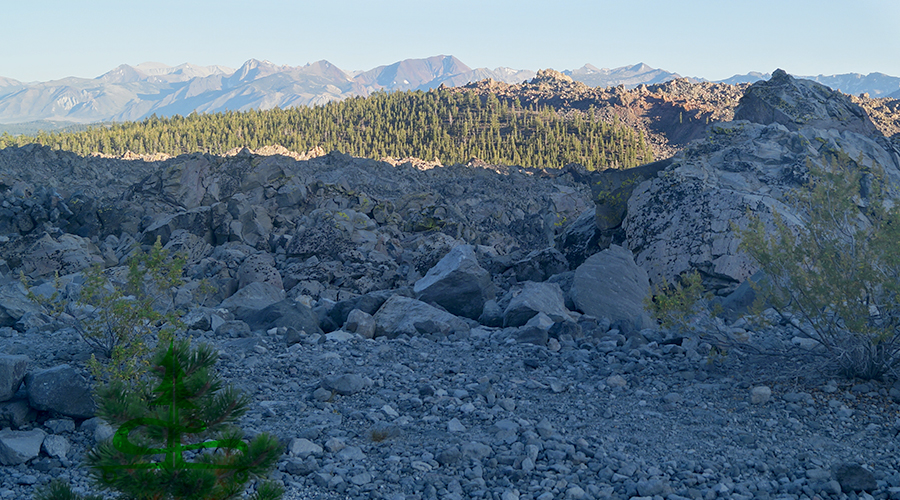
{"points": [[186, 411]]}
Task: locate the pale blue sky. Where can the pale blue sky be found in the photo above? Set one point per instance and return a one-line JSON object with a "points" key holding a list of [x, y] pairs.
{"points": [[713, 39]]}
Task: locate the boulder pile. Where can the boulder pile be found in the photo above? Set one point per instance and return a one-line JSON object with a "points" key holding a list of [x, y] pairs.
{"points": [[311, 246]]}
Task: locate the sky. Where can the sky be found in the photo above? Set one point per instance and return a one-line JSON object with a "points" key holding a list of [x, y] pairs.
{"points": [[712, 39]]}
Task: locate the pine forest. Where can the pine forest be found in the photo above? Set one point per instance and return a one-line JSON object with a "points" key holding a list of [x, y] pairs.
{"points": [[452, 127]]}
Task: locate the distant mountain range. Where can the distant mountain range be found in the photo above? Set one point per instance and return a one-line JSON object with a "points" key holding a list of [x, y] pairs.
{"points": [[136, 92]]}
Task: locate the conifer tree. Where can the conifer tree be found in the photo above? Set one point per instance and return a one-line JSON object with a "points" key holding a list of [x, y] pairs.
{"points": [[184, 412]]}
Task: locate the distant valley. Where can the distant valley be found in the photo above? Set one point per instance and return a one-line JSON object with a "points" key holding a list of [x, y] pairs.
{"points": [[129, 93]]}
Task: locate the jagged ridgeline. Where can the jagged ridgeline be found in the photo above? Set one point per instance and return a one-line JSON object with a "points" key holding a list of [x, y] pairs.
{"points": [[452, 127]]}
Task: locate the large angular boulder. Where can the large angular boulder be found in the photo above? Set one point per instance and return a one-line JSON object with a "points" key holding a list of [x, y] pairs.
{"points": [[12, 372], [197, 221], [61, 389], [14, 303], [610, 285], [15, 413], [18, 447], [457, 283], [285, 313], [65, 254], [540, 265], [681, 219], [404, 315], [259, 267], [580, 239], [368, 303], [252, 298], [536, 298]]}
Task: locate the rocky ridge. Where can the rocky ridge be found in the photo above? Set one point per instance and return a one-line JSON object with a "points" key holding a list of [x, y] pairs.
{"points": [[670, 114], [681, 219], [416, 331]]}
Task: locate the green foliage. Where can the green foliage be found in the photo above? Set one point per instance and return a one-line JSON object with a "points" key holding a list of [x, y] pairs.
{"points": [[678, 305], [837, 278], [445, 124], [181, 410], [685, 307], [121, 318]]}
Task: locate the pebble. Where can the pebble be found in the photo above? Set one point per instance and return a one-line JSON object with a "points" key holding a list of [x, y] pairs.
{"points": [[760, 395]]}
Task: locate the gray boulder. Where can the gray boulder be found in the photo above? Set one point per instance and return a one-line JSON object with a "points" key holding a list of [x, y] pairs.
{"points": [[360, 322], [540, 265], [252, 298], [345, 385], [580, 239], [403, 315], [12, 372], [65, 254], [854, 478], [61, 389], [681, 219], [797, 103], [610, 285], [535, 298], [18, 447], [15, 413], [284, 313], [259, 267], [197, 221], [457, 283], [368, 303], [56, 446], [536, 330], [14, 303]]}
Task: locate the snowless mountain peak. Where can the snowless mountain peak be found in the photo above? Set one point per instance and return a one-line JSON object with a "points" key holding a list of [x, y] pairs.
{"points": [[135, 92]]}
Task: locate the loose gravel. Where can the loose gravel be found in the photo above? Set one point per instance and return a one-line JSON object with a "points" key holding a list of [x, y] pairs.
{"points": [[482, 416]]}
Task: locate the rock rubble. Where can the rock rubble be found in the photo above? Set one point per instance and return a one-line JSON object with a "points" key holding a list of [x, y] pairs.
{"points": [[413, 331]]}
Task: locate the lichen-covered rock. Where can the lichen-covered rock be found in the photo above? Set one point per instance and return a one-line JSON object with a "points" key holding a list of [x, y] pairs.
{"points": [[797, 103], [682, 219]]}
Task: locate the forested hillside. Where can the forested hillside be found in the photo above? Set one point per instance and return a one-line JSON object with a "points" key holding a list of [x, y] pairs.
{"points": [[452, 127]]}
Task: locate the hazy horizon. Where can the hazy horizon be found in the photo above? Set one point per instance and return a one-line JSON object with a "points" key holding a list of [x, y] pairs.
{"points": [[698, 38]]}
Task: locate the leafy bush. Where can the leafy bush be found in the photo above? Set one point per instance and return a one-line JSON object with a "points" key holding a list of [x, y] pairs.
{"points": [[186, 411], [835, 279], [678, 306], [117, 320], [686, 308]]}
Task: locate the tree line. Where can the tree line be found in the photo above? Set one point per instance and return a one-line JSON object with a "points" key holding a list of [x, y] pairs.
{"points": [[448, 126]]}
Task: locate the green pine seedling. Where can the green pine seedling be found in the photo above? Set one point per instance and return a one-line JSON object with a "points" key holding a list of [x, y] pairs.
{"points": [[176, 437]]}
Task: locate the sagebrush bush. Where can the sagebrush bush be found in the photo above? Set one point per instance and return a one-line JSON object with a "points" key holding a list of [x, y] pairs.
{"points": [[836, 278]]}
